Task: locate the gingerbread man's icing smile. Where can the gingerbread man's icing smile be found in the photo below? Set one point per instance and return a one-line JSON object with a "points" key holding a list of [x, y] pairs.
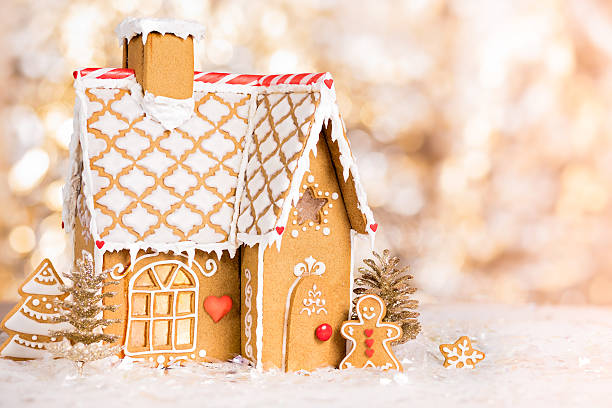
{"points": [[370, 316]]}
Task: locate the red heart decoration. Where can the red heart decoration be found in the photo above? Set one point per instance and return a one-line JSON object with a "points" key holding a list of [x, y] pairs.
{"points": [[62, 224], [99, 244], [369, 342], [374, 227], [217, 307], [369, 332], [329, 82], [280, 230], [369, 352]]}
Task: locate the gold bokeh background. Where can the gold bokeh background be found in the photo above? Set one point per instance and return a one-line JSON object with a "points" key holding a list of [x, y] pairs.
{"points": [[482, 129]]}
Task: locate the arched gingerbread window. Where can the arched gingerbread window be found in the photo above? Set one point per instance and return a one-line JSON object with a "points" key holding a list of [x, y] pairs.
{"points": [[162, 299]]}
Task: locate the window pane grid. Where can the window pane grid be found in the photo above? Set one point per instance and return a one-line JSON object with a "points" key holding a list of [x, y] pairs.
{"points": [[181, 325]]}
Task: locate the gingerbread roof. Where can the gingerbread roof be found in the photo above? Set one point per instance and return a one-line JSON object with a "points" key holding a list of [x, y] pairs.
{"points": [[226, 175]]}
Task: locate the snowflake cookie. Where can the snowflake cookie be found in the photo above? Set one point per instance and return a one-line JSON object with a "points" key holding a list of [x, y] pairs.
{"points": [[460, 354]]}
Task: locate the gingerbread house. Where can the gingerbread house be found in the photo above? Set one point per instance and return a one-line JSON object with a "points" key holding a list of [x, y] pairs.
{"points": [[224, 205]]}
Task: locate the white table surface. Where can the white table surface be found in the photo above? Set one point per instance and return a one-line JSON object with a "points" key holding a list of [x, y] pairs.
{"points": [[535, 356]]}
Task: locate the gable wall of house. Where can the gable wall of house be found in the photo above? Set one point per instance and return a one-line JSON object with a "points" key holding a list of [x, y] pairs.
{"points": [[312, 253]]}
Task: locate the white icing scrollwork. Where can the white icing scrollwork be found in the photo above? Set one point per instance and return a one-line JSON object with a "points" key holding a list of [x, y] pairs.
{"points": [[211, 267], [311, 267], [314, 303], [248, 318], [117, 271]]}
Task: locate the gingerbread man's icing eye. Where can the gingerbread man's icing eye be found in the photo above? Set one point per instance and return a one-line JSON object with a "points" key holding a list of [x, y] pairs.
{"points": [[365, 309], [371, 309]]}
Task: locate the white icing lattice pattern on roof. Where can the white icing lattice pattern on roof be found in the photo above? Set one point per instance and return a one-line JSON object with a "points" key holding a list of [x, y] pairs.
{"points": [[159, 186], [282, 125]]}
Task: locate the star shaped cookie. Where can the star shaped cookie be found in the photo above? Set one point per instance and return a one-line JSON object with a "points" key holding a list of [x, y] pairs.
{"points": [[309, 207], [460, 354]]}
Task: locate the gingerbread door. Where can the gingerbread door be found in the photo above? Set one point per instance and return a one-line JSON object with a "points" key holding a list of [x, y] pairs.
{"points": [[307, 309], [162, 311]]}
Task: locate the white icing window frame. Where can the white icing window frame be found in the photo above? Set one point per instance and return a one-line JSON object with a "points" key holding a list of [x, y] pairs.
{"points": [[173, 317]]}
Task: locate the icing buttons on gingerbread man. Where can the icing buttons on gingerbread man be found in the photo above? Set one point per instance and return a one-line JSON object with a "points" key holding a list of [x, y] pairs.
{"points": [[370, 337]]}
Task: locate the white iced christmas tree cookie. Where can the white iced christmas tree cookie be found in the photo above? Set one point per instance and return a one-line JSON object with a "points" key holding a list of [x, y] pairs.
{"points": [[30, 322]]}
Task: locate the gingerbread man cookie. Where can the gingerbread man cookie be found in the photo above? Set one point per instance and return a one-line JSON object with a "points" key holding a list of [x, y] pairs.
{"points": [[370, 337]]}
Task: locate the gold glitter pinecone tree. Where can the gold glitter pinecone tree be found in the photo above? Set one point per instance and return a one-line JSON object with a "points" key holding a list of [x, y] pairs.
{"points": [[84, 306], [394, 287]]}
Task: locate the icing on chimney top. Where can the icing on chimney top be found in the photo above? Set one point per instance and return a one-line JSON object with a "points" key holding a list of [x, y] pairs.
{"points": [[131, 27], [163, 61]]}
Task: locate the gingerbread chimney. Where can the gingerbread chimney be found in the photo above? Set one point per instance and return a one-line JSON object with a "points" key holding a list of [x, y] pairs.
{"points": [[160, 51]]}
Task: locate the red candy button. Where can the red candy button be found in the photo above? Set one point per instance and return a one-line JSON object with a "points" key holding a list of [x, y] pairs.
{"points": [[323, 332]]}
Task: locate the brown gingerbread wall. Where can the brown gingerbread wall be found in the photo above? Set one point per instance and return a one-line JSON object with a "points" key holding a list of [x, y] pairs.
{"points": [[328, 242], [83, 240], [213, 341], [249, 277]]}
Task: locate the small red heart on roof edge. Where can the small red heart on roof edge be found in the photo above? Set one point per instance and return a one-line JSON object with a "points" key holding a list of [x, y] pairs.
{"points": [[99, 244], [329, 82], [280, 230], [374, 227]]}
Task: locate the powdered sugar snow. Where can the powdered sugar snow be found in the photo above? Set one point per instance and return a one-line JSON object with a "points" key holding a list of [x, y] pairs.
{"points": [[535, 356]]}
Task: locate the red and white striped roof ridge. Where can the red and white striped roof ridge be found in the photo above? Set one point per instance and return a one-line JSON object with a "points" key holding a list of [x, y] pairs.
{"points": [[214, 77]]}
